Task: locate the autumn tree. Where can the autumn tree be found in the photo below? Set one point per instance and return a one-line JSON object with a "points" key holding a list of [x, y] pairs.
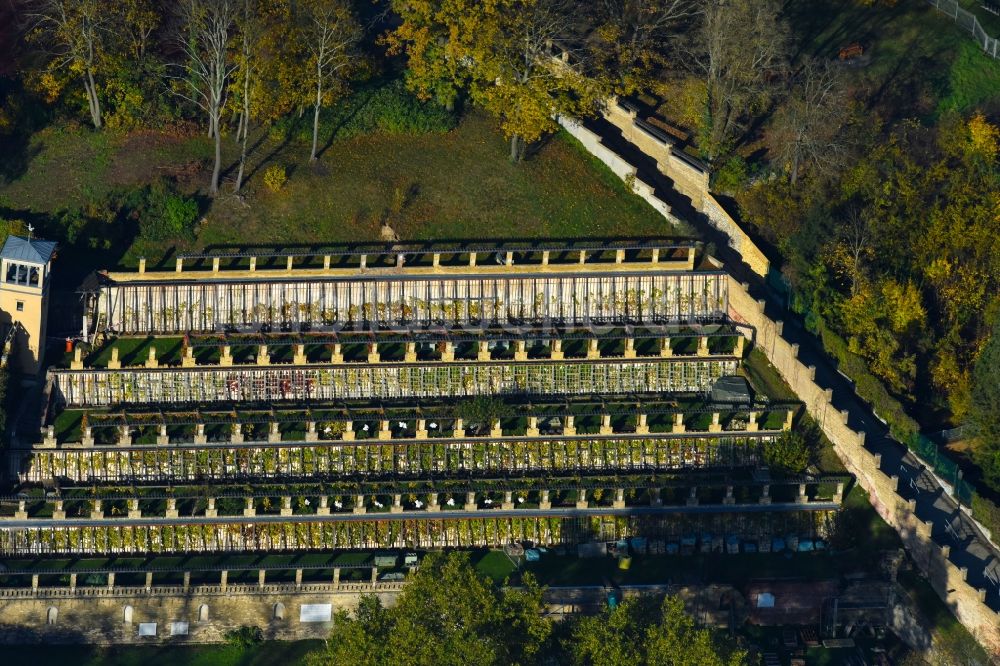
{"points": [[740, 52], [206, 38], [632, 38], [74, 33], [330, 33], [984, 409], [806, 129], [423, 35]]}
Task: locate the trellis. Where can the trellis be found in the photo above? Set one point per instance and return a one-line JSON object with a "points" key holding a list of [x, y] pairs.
{"points": [[396, 459], [210, 305], [387, 533], [96, 388]]}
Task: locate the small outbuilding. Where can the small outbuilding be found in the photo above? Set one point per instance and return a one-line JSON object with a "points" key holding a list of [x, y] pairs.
{"points": [[733, 389]]}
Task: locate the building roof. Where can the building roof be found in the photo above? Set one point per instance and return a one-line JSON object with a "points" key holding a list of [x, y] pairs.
{"points": [[34, 250]]}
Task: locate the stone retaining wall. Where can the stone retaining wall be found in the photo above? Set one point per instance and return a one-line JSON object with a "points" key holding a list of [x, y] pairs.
{"points": [[966, 602]]}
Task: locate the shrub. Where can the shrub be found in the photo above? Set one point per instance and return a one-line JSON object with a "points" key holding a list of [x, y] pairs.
{"points": [[789, 452], [163, 213], [245, 637], [275, 177]]}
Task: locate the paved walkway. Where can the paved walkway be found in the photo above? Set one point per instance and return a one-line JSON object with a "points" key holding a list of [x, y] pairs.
{"points": [[952, 527]]}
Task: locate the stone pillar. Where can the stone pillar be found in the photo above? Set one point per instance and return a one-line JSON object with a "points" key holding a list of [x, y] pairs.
{"points": [[447, 351], [666, 351], [690, 259], [22, 510], [581, 499], [133, 509], [421, 432], [261, 577], [77, 362], [679, 426], [179, 265], [324, 506], [124, 438], [520, 350], [298, 578], [557, 350], [199, 434], [224, 580], [397, 504], [72, 582], [50, 437], [692, 499], [210, 510], [593, 352], [470, 502], [34, 583], [337, 354], [142, 265], [149, 581], [359, 505], [802, 497], [508, 501], [384, 432], [752, 425], [187, 361], [151, 362], [311, 434], [88, 437], [96, 510], [532, 427], [162, 438], [543, 502], [111, 580], [715, 425], [432, 502], [472, 260], [286, 506], [656, 255], [496, 430], [58, 513], [619, 256], [459, 429], [703, 346], [740, 341], [583, 256], [348, 434], [299, 358], [374, 575], [765, 494], [273, 433], [484, 353], [630, 348], [336, 577], [225, 357], [545, 257], [570, 427], [838, 496], [249, 510], [263, 358], [373, 355], [115, 363], [187, 581], [641, 426], [789, 415], [619, 501], [729, 499], [288, 265], [410, 355], [236, 433], [606, 425]]}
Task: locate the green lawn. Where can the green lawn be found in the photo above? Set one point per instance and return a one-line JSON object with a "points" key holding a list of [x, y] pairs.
{"points": [[278, 653], [457, 184]]}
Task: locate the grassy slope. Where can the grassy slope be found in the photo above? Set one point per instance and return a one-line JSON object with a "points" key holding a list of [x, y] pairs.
{"points": [[458, 184]]}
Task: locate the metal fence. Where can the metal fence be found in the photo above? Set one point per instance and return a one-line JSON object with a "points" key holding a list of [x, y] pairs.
{"points": [[968, 21]]}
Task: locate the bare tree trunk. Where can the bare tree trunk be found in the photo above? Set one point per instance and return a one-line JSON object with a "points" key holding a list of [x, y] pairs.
{"points": [[243, 161], [319, 99], [92, 100], [795, 167], [217, 169], [516, 148]]}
